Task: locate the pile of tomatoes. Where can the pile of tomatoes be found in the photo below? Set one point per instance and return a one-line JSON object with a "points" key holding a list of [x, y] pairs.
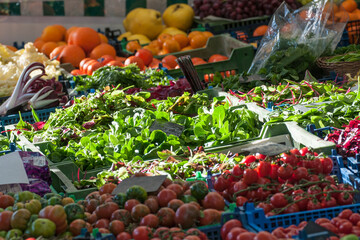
{"points": [[164, 215], [290, 182], [347, 222]]}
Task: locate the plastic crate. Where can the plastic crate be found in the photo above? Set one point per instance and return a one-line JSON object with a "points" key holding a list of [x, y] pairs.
{"points": [[349, 178], [257, 220], [43, 115], [240, 57], [351, 34], [12, 148], [353, 163], [95, 235]]}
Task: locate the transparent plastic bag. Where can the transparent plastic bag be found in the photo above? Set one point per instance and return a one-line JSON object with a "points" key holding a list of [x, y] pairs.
{"points": [[295, 39]]}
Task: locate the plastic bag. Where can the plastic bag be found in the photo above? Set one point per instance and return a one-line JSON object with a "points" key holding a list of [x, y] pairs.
{"points": [[295, 39]]}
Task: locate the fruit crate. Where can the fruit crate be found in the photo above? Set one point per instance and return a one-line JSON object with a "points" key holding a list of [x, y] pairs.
{"points": [[287, 133], [347, 177], [43, 115], [240, 57], [257, 220], [351, 34]]}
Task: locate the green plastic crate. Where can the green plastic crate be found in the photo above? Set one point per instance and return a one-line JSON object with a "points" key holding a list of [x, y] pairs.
{"points": [[287, 133], [240, 56]]}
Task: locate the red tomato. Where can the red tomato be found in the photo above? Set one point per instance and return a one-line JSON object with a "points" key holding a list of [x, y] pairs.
{"points": [[225, 229], [145, 55], [354, 218], [313, 204], [303, 201], [92, 67], [278, 200], [315, 191], [115, 63], [328, 202], [292, 208], [300, 173], [295, 152], [240, 201], [346, 227], [317, 166], [237, 171], [150, 220], [264, 169], [265, 236], [285, 171], [246, 236], [260, 156], [221, 183], [327, 165], [214, 200], [165, 196], [129, 204], [322, 220], [262, 181], [304, 151], [289, 159], [250, 176], [141, 233], [116, 227], [267, 207], [240, 186], [249, 159], [262, 194], [217, 58], [345, 198], [234, 232], [102, 223], [273, 173], [330, 227], [76, 72], [138, 61], [330, 189]]}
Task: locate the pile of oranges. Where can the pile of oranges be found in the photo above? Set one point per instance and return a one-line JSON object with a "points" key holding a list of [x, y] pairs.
{"points": [[166, 43], [170, 61], [73, 45]]}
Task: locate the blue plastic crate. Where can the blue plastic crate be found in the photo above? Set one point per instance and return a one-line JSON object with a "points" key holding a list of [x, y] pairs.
{"points": [[320, 132], [257, 220], [353, 164], [43, 115], [12, 147], [96, 235]]}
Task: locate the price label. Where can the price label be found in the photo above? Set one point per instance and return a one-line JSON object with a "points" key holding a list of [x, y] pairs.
{"points": [[167, 127], [268, 148]]}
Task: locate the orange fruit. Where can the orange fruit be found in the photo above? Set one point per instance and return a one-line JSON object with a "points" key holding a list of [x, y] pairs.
{"points": [[72, 54], [353, 16], [48, 47], [61, 43], [56, 52], [38, 44], [331, 7], [349, 5], [37, 39], [138, 61], [68, 32], [187, 48], [207, 34], [84, 37], [132, 46], [103, 38], [102, 49], [155, 44], [198, 61], [151, 49], [217, 58], [198, 41], [171, 46], [163, 52], [260, 31], [52, 34], [194, 33], [169, 60], [154, 63], [341, 16], [181, 39], [163, 37], [61, 28], [12, 48]]}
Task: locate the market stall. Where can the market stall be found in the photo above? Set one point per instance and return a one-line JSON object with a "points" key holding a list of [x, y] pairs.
{"points": [[191, 120]]}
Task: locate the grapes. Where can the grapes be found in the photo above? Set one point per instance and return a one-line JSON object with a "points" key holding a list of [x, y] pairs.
{"points": [[239, 9]]}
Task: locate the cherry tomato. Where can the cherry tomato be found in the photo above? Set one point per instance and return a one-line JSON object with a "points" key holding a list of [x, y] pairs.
{"points": [[304, 151], [313, 204], [278, 200], [295, 152], [249, 159], [330, 189], [262, 194], [266, 206], [240, 186], [317, 166], [289, 159], [322, 220], [329, 179], [263, 181], [237, 171], [354, 218], [246, 236], [264, 169], [292, 208], [345, 214], [300, 173], [345, 187], [346, 227], [328, 202], [251, 195], [297, 192], [221, 184], [141, 233], [315, 191], [302, 202], [250, 176], [240, 201], [285, 171], [234, 232], [345, 198], [313, 178], [327, 165], [273, 173], [330, 227], [260, 156]]}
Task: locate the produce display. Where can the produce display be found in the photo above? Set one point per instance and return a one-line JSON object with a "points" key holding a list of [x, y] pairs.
{"points": [[140, 149]]}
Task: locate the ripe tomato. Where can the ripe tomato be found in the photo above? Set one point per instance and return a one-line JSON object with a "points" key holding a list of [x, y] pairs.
{"points": [[165, 196], [317, 166], [266, 206], [115, 63], [302, 202], [295, 152], [221, 183], [129, 204], [175, 204], [176, 188], [107, 188], [102, 223], [249, 159], [260, 156], [354, 218], [214, 200], [237, 171], [345, 187], [145, 55], [225, 229], [315, 191], [121, 215], [292, 208], [246, 236], [322, 220], [152, 204], [234, 232], [211, 216], [250, 176], [240, 186], [150, 220], [327, 165], [345, 198], [330, 227], [313, 204], [166, 217], [139, 211], [264, 236], [262, 194], [264, 169], [187, 215], [138, 61], [327, 202], [285, 171], [273, 173], [346, 227], [116, 227], [123, 236], [300, 173], [141, 233], [289, 159], [217, 58], [278, 200], [304, 151], [240, 201]]}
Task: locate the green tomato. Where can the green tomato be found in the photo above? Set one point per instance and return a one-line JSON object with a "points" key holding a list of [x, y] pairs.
{"points": [[120, 199], [3, 234], [43, 227], [54, 201], [350, 237], [14, 234], [23, 196], [136, 192], [9, 209], [74, 211], [199, 190]]}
